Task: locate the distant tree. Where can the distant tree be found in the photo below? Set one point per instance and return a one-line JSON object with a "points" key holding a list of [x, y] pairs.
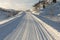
{"points": [[54, 1], [44, 4], [37, 5]]}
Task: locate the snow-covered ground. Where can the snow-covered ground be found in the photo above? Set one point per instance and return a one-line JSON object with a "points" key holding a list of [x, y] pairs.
{"points": [[51, 16], [8, 27], [10, 18], [52, 12], [27, 27], [52, 27], [3, 15]]}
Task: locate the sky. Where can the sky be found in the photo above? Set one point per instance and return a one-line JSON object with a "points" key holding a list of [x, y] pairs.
{"points": [[17, 4]]}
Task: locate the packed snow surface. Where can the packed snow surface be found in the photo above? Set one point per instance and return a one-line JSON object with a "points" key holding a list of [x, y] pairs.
{"points": [[27, 27]]}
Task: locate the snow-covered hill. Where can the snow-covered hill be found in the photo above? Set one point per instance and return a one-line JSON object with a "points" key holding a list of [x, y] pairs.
{"points": [[5, 20], [3, 15], [51, 12], [51, 15], [6, 13]]}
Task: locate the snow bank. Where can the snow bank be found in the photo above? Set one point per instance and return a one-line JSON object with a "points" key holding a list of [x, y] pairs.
{"points": [[3, 15], [51, 30], [11, 18], [52, 12], [53, 9]]}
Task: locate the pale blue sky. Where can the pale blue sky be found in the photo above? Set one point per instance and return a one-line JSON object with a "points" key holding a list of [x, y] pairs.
{"points": [[17, 4]]}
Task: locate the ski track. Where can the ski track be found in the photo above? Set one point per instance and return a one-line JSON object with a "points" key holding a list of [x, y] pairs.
{"points": [[28, 28]]}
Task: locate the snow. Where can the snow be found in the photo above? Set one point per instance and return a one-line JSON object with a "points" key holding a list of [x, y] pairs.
{"points": [[43, 25], [50, 17], [26, 26], [3, 15], [30, 28], [8, 27], [58, 14], [48, 27], [52, 12], [5, 20]]}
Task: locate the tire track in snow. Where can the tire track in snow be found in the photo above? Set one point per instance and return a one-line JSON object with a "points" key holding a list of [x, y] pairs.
{"points": [[43, 31], [30, 29]]}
